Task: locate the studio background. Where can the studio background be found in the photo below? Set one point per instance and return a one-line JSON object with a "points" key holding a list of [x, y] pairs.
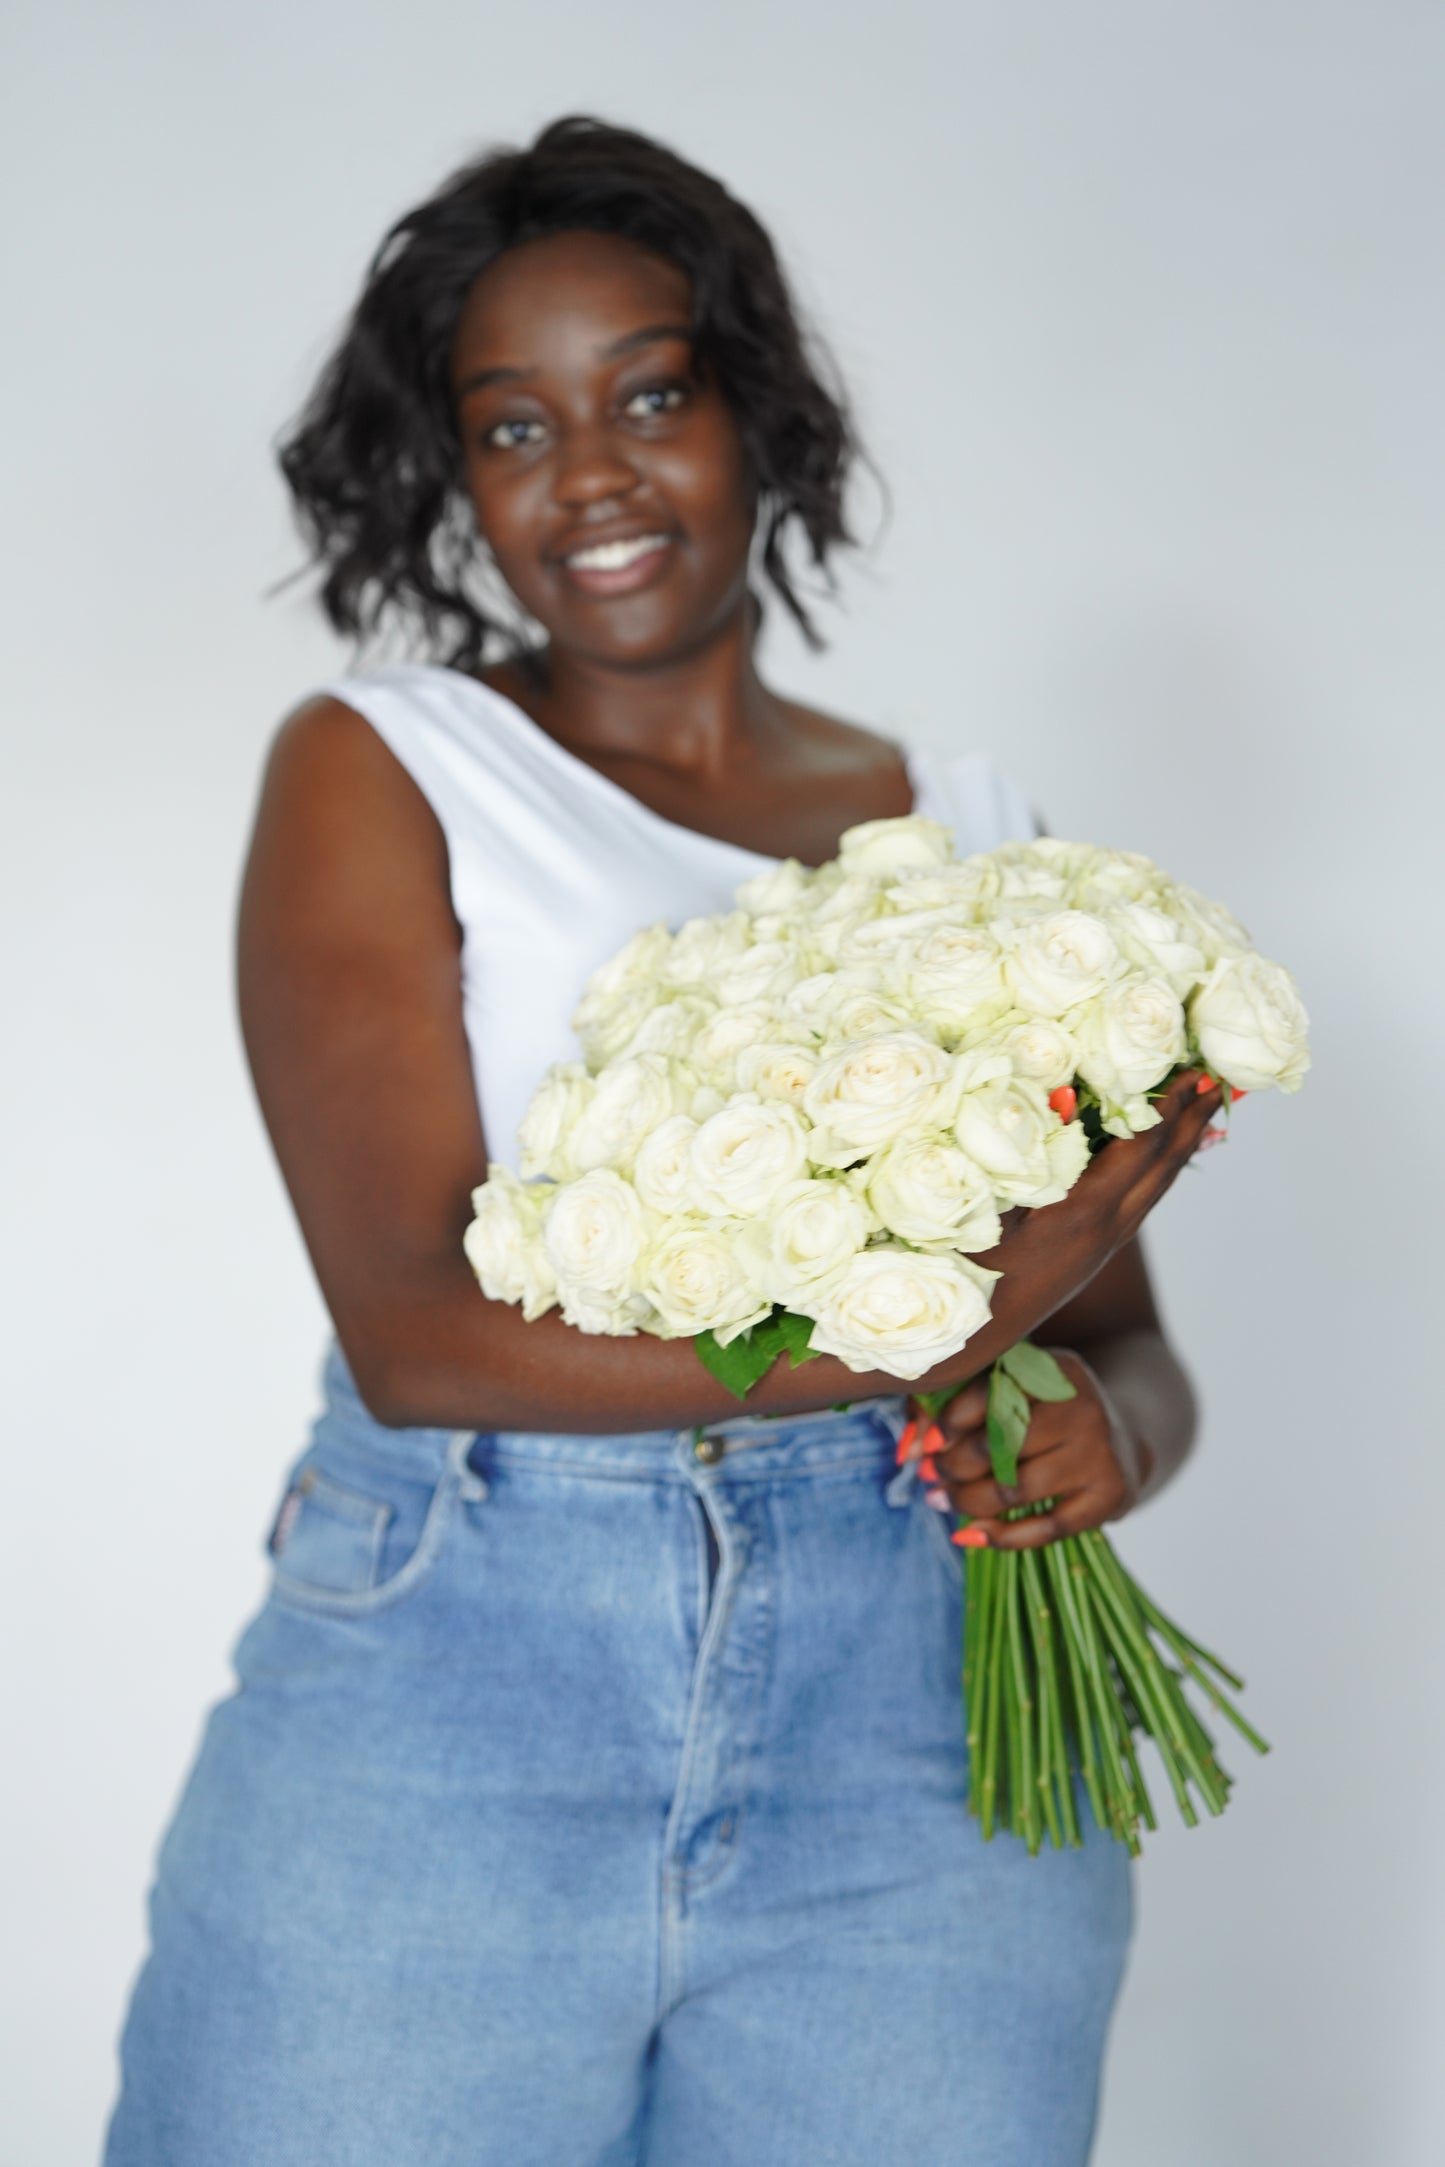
{"points": [[1141, 306]]}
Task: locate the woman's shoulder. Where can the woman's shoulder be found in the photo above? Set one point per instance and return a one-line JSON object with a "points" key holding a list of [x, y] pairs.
{"points": [[962, 785]]}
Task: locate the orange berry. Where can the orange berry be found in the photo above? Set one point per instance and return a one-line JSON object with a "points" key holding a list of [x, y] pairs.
{"points": [[1065, 1102]]}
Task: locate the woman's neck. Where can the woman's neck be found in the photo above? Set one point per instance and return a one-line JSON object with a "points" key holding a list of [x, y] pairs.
{"points": [[692, 714]]}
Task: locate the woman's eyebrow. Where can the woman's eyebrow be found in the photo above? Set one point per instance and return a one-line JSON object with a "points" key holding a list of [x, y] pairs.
{"points": [[648, 335]]}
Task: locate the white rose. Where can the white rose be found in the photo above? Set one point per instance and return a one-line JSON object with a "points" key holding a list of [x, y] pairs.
{"points": [[1251, 1026], [629, 1099], [800, 1246], [924, 1189], [662, 1173], [503, 1244], [1131, 1038], [780, 889], [1217, 930], [902, 1310], [886, 846], [607, 1025], [962, 886], [701, 946], [764, 972], [1157, 941], [544, 1137], [1059, 961], [952, 973], [777, 1071], [1067, 861], [838, 921], [853, 1012], [885, 937], [636, 963], [718, 1042], [694, 1281], [1029, 1155], [871, 1091], [594, 1231], [1042, 1052], [809, 1008], [669, 1028], [1115, 876], [1022, 879], [743, 1155]]}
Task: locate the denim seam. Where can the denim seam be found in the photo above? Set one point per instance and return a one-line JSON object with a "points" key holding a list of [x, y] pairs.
{"points": [[669, 1472], [335, 1602], [675, 1883]]}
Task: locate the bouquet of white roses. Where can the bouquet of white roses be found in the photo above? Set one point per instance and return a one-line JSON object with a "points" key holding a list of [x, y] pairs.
{"points": [[797, 1124]]}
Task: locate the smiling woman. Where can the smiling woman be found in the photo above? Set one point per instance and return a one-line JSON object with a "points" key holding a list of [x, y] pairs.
{"points": [[595, 1792]]}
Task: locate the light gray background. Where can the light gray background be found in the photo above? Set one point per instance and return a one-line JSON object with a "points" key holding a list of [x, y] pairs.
{"points": [[1142, 307]]}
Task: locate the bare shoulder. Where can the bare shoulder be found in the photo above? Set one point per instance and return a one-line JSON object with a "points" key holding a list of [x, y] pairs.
{"points": [[843, 748], [328, 770], [343, 838]]}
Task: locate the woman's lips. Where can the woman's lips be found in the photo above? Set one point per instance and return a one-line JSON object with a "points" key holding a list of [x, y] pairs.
{"points": [[618, 567]]}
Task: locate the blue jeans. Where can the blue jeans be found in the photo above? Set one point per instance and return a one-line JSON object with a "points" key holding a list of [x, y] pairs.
{"points": [[600, 1801]]}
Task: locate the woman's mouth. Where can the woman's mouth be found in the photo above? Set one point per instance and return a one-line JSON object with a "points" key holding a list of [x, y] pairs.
{"points": [[618, 567]]}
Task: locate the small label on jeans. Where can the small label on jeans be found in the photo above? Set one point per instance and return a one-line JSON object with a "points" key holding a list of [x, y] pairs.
{"points": [[285, 1521]]}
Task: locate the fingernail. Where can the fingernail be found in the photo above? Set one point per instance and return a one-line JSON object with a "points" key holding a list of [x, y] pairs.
{"points": [[933, 1438], [1205, 1083], [939, 1500], [969, 1538], [905, 1441], [928, 1468], [1209, 1139], [1236, 1096], [1065, 1102]]}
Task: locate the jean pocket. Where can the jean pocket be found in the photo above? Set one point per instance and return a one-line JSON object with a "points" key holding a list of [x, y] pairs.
{"points": [[341, 1547]]}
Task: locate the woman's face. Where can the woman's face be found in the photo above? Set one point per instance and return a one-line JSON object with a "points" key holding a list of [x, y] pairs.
{"points": [[606, 470]]}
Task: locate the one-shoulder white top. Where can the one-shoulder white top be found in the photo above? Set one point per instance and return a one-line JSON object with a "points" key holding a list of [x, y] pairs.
{"points": [[553, 866]]}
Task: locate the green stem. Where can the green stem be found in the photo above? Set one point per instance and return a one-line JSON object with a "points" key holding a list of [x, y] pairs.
{"points": [[1192, 1742], [993, 1726], [1140, 1664], [1055, 1564], [1121, 1792], [1053, 1760], [1027, 1804]]}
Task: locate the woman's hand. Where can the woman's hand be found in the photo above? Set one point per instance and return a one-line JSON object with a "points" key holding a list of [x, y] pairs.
{"points": [[1079, 1453]]}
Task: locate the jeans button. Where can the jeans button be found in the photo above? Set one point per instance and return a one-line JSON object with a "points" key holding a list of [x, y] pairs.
{"points": [[709, 1450]]}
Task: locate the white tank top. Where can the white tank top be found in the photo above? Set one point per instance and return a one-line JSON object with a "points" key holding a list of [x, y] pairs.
{"points": [[553, 866]]}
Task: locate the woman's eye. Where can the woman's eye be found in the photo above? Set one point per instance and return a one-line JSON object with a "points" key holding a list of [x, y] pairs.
{"points": [[655, 399], [508, 435]]}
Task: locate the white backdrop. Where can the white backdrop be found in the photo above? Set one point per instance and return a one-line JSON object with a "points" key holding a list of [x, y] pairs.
{"points": [[1141, 304]]}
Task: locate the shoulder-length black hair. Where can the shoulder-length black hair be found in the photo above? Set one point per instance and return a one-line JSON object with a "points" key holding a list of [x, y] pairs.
{"points": [[373, 460]]}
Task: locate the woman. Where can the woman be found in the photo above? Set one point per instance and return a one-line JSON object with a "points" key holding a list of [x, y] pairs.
{"points": [[595, 1791]]}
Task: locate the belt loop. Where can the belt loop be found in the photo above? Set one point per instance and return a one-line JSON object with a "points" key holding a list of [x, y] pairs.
{"points": [[471, 1487]]}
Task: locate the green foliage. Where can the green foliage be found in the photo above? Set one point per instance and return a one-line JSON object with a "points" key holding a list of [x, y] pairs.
{"points": [[743, 1361], [1036, 1371], [1008, 1424]]}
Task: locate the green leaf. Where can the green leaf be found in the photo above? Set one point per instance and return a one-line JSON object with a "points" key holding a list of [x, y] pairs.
{"points": [[737, 1366], [795, 1333], [1037, 1372], [1008, 1425]]}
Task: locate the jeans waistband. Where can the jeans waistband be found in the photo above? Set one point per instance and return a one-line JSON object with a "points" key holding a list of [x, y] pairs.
{"points": [[769, 1444]]}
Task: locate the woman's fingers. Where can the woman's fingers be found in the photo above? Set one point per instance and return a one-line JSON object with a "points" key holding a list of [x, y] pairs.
{"points": [[1063, 1473]]}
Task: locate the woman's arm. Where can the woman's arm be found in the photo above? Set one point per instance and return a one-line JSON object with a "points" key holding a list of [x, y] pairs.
{"points": [[350, 1001]]}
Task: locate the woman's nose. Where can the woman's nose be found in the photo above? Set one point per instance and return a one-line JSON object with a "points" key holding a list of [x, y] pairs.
{"points": [[591, 469]]}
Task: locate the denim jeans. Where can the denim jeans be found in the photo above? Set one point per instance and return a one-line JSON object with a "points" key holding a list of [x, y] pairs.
{"points": [[600, 1801]]}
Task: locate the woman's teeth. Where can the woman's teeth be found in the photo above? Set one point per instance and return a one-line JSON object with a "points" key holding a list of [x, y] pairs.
{"points": [[613, 556]]}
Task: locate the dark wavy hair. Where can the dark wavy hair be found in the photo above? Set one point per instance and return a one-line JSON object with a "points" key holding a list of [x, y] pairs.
{"points": [[374, 462]]}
